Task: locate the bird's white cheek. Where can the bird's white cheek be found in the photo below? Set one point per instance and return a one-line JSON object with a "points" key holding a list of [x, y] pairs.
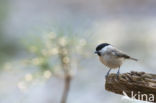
{"points": [[105, 49]]}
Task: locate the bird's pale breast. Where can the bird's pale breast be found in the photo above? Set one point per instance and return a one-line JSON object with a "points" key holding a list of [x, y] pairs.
{"points": [[110, 61]]}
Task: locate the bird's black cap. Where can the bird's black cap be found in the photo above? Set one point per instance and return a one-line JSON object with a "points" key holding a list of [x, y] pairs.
{"points": [[100, 46]]}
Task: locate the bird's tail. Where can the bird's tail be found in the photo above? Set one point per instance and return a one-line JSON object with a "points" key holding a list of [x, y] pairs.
{"points": [[133, 59]]}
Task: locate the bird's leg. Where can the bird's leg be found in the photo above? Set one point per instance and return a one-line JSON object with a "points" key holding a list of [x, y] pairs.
{"points": [[108, 73], [118, 73]]}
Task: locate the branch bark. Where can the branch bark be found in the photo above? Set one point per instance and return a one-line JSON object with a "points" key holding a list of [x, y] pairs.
{"points": [[139, 84]]}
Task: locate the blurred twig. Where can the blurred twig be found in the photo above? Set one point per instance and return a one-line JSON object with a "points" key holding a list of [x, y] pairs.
{"points": [[64, 57], [55, 54]]}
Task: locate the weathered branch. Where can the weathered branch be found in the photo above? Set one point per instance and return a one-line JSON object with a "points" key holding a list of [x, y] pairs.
{"points": [[140, 85]]}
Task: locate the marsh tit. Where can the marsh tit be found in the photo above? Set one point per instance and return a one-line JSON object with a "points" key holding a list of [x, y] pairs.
{"points": [[111, 56]]}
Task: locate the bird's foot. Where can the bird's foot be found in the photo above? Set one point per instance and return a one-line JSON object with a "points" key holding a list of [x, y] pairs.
{"points": [[106, 76], [117, 75]]}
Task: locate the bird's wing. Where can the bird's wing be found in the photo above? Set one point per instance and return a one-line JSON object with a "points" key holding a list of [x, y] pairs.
{"points": [[119, 53]]}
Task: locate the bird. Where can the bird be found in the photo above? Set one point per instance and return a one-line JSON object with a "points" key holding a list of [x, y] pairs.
{"points": [[111, 57]]}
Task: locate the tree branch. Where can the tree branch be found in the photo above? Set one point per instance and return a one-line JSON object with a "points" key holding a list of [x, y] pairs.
{"points": [[140, 85]]}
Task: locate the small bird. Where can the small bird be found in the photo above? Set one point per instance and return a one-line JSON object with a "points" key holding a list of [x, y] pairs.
{"points": [[111, 56]]}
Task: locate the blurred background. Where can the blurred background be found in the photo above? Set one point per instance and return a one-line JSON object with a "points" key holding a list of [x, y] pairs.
{"points": [[47, 47]]}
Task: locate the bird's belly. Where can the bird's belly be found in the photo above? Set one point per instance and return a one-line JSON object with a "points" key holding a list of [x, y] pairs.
{"points": [[111, 62]]}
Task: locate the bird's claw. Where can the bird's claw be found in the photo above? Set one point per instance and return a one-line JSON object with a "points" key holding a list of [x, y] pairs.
{"points": [[106, 76]]}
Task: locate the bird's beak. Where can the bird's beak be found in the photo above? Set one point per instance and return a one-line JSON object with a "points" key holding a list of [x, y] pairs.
{"points": [[96, 52]]}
